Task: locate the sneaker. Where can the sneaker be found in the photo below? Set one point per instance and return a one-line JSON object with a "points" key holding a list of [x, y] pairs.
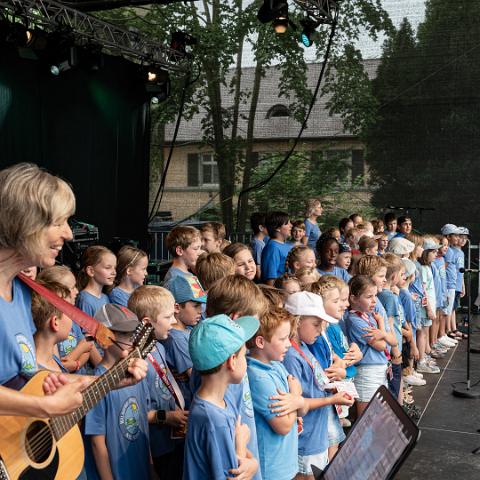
{"points": [[424, 367], [439, 348], [430, 360], [437, 354], [447, 342], [416, 374], [413, 380]]}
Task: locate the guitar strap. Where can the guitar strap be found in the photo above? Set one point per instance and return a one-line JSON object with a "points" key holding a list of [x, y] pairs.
{"points": [[102, 334], [173, 387]]}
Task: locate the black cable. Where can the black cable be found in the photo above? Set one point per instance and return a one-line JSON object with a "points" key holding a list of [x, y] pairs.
{"points": [[263, 182], [161, 187]]}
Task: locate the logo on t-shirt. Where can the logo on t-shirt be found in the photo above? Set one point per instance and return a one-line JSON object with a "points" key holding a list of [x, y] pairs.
{"points": [[29, 365], [247, 397], [129, 419], [67, 345]]}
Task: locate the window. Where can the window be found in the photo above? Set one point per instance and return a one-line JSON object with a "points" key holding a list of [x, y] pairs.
{"points": [[202, 170], [278, 111]]}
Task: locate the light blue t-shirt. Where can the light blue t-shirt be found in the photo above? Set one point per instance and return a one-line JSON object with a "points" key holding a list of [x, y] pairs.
{"points": [[356, 326], [210, 444], [68, 345], [409, 308], [460, 264], [338, 272], [172, 273], [160, 399], [278, 453], [17, 348], [122, 418], [390, 234], [451, 268], [314, 438], [257, 247], [119, 297], [340, 345], [178, 358], [322, 351], [441, 291], [89, 303], [274, 256], [392, 308], [312, 232]]}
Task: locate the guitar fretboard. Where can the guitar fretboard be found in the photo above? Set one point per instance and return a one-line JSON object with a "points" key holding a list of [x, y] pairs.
{"points": [[92, 395]]}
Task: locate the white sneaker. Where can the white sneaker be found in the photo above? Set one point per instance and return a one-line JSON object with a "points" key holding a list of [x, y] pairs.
{"points": [[439, 348], [413, 380], [416, 374], [446, 341], [424, 367]]}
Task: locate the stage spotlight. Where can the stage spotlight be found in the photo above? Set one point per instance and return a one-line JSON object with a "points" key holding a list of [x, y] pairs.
{"points": [[157, 84], [275, 11], [65, 62], [309, 27], [280, 24]]}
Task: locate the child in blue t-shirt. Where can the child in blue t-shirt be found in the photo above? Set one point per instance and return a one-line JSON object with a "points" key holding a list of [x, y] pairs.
{"points": [[259, 239], [190, 298], [132, 266], [277, 435], [313, 443], [216, 441], [167, 417], [97, 272], [368, 331], [117, 427], [314, 210], [275, 253], [327, 252]]}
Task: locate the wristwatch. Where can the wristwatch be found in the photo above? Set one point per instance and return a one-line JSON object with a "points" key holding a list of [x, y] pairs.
{"points": [[160, 417]]}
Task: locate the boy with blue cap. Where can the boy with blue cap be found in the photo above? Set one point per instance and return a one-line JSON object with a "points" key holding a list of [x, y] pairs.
{"points": [[190, 299], [216, 441]]}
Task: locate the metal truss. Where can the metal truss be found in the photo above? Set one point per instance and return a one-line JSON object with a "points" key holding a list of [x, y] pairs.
{"points": [[324, 11], [51, 16]]}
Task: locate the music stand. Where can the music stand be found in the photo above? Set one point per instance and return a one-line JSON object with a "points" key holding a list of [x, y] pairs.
{"points": [[377, 445]]}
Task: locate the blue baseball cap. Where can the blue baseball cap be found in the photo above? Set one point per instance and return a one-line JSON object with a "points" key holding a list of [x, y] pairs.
{"points": [[214, 339], [187, 289]]}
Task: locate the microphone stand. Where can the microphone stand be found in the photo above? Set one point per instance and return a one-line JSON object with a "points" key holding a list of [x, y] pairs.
{"points": [[462, 389]]}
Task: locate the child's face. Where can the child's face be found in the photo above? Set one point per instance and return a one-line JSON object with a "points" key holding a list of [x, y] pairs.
{"points": [[406, 227], [332, 303], [70, 283], [417, 252], [191, 253], [64, 327], [453, 240], [285, 230], [443, 249], [298, 234], [372, 251], [431, 256], [163, 322], [344, 260], [366, 301], [403, 279], [330, 253], [209, 244], [240, 365], [344, 298], [138, 272], [277, 347], [462, 241], [306, 260], [189, 313], [317, 210], [104, 272], [357, 220], [348, 226], [380, 227], [309, 329], [308, 278], [399, 277], [392, 225], [382, 243], [292, 286], [245, 264], [380, 278]]}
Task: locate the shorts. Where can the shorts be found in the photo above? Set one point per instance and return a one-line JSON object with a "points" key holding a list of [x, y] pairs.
{"points": [[368, 379], [450, 301], [394, 383], [424, 320], [320, 460], [336, 435]]}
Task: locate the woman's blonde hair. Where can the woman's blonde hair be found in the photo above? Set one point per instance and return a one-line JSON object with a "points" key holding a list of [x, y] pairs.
{"points": [[310, 205], [31, 199]]}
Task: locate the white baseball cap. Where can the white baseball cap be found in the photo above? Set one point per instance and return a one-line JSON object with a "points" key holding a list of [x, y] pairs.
{"points": [[307, 303], [400, 246], [463, 231], [450, 229]]}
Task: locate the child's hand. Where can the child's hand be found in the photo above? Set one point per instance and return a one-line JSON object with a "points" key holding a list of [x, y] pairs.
{"points": [[177, 418], [247, 468], [395, 290], [379, 319], [353, 354], [242, 436], [373, 334], [431, 315], [335, 372], [342, 398], [294, 385], [408, 334], [414, 353], [85, 346], [286, 403]]}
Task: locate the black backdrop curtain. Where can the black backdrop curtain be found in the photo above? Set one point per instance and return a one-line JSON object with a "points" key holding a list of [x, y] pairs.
{"points": [[91, 128]]}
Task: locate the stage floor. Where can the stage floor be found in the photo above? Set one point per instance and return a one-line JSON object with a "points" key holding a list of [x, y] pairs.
{"points": [[450, 426]]}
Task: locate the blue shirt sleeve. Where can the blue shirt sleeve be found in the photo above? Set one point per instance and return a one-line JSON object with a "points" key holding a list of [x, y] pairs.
{"points": [[95, 420], [389, 304], [270, 262], [262, 387], [178, 356]]}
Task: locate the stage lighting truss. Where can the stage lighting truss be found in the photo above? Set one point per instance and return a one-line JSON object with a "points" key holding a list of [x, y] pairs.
{"points": [[324, 11], [52, 16]]}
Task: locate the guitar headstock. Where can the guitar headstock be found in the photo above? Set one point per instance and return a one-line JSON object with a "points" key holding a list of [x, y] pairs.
{"points": [[144, 339]]}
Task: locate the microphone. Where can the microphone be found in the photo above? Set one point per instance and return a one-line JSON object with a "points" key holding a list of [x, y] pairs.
{"points": [[468, 270]]}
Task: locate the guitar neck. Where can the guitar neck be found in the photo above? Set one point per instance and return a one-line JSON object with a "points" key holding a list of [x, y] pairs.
{"points": [[92, 395]]}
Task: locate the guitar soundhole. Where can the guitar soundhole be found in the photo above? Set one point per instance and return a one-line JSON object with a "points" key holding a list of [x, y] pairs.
{"points": [[38, 442]]}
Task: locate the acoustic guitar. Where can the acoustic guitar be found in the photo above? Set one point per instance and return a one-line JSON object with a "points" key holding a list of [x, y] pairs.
{"points": [[48, 449]]}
